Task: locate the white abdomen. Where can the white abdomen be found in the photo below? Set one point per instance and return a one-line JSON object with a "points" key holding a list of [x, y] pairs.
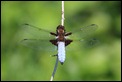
{"points": [[61, 52]]}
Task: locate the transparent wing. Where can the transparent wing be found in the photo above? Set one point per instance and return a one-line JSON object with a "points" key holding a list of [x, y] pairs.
{"points": [[84, 32], [36, 38], [39, 44], [82, 37], [31, 31]]}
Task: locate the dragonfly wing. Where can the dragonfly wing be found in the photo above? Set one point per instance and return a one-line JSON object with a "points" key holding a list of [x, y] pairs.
{"points": [[30, 31], [36, 38], [84, 32], [39, 44], [81, 36]]}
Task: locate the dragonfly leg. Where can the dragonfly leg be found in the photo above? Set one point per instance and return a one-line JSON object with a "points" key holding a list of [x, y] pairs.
{"points": [[67, 34], [54, 55], [53, 33], [67, 42], [54, 42]]}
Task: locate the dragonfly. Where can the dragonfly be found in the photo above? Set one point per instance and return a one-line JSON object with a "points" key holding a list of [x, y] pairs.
{"points": [[59, 40]]}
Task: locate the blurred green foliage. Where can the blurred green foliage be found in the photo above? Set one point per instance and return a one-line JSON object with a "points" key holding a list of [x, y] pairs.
{"points": [[102, 62]]}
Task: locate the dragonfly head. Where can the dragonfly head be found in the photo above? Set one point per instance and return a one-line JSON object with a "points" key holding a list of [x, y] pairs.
{"points": [[60, 29]]}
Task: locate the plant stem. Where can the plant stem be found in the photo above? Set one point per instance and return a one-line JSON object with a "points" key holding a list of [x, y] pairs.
{"points": [[62, 19], [54, 71], [62, 23]]}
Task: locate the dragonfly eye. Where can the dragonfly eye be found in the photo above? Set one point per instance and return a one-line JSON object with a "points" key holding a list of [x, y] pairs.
{"points": [[60, 31], [56, 37]]}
